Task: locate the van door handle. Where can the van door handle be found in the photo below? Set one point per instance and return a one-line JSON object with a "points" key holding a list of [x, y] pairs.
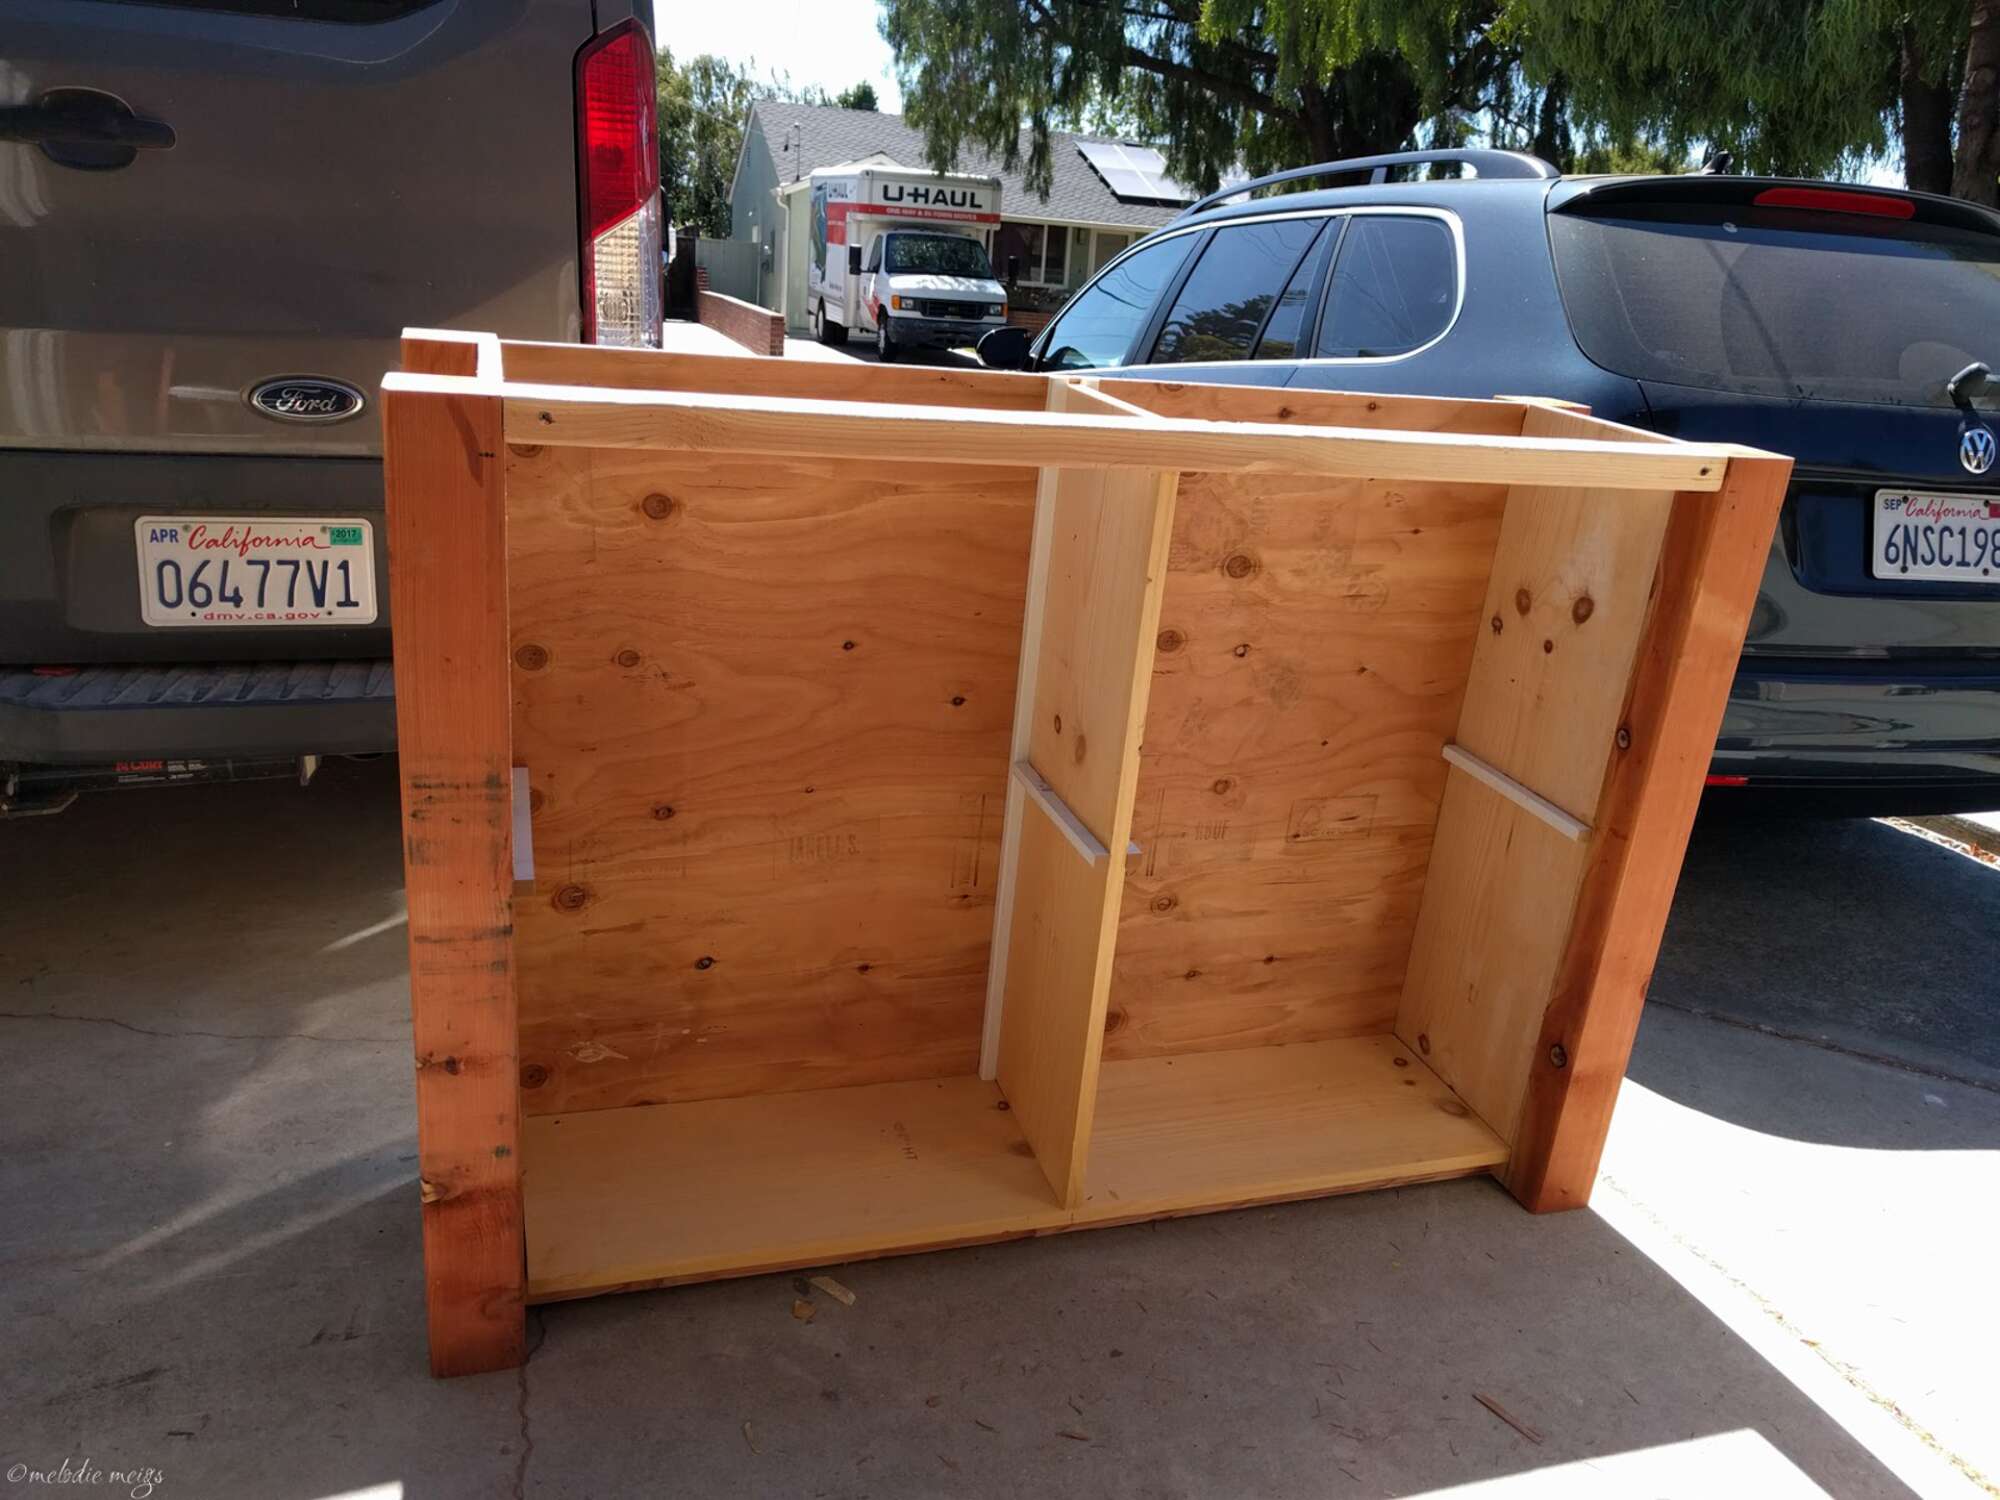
{"points": [[85, 129]]}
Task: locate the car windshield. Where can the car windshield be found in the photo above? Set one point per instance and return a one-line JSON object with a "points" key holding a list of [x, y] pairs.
{"points": [[1776, 302], [937, 255]]}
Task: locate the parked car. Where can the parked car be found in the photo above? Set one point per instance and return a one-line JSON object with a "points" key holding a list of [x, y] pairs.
{"points": [[216, 216], [1845, 326]]}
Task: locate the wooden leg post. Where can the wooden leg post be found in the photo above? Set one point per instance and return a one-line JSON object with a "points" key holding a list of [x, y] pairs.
{"points": [[447, 543]]}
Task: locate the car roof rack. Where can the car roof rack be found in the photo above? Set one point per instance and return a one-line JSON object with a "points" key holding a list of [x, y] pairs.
{"points": [[1487, 163]]}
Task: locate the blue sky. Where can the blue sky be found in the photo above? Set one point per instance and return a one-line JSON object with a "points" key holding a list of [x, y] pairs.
{"points": [[833, 43]]}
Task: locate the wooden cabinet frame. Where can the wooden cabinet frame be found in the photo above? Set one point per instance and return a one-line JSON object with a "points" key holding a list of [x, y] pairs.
{"points": [[855, 810]]}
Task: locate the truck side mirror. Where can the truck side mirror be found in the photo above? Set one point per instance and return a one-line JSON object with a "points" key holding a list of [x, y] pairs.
{"points": [[1003, 348], [853, 260]]}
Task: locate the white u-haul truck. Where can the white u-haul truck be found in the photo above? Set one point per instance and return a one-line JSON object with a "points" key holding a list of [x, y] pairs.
{"points": [[903, 256]]}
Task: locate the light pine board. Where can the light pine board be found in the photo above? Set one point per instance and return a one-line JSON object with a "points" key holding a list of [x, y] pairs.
{"points": [[621, 1199], [1098, 606]]}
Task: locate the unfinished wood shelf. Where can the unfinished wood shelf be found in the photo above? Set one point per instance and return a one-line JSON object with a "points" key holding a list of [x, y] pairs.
{"points": [[852, 811]]}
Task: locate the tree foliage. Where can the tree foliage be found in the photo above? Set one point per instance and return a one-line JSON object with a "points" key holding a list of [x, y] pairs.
{"points": [[1808, 87], [702, 105]]}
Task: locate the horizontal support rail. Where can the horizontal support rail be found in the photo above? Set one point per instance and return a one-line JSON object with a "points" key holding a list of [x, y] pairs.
{"points": [[1044, 796], [1534, 802], [678, 420]]}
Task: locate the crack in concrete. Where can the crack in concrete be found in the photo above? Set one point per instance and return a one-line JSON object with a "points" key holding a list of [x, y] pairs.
{"points": [[225, 1036], [540, 1331], [1778, 1033]]}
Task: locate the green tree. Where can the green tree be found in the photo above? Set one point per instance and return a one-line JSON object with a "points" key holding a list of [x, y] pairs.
{"points": [[702, 105], [1259, 84], [1792, 87]]}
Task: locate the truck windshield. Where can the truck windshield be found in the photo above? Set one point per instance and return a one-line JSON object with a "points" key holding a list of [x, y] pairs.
{"points": [[937, 255], [1775, 302]]}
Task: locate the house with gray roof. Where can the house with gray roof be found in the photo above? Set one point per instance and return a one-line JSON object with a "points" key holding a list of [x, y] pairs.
{"points": [[1106, 194]]}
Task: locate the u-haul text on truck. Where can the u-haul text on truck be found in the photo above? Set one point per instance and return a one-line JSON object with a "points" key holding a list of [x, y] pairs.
{"points": [[903, 255]]}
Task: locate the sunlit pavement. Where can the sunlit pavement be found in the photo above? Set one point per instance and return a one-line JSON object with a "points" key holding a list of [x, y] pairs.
{"points": [[209, 1263]]}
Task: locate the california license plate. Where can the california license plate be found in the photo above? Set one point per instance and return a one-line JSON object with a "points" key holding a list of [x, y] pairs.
{"points": [[229, 570], [1921, 535]]}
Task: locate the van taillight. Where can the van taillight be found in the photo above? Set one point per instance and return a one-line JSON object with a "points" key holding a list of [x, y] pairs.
{"points": [[618, 188]]}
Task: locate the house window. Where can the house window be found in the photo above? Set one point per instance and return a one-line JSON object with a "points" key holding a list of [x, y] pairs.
{"points": [[1109, 246], [1051, 255]]}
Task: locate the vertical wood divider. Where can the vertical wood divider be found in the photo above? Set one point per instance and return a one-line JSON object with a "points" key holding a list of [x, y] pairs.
{"points": [[448, 598], [1098, 573]]}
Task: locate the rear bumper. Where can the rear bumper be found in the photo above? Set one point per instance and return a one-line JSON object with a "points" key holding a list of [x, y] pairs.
{"points": [[1895, 737], [232, 710]]}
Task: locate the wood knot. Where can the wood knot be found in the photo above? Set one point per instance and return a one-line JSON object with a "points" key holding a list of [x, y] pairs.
{"points": [[1058, 723], [1222, 786], [1243, 650], [958, 700], [1523, 601], [1424, 1043], [704, 962], [662, 811], [1498, 624], [536, 797], [531, 658], [1558, 1055], [1240, 565], [1113, 1021], [847, 645], [657, 506], [1169, 641], [1401, 1062], [1583, 609], [1548, 647], [533, 1075], [1082, 743], [627, 658], [525, 450], [1164, 903], [570, 898], [1454, 1108]]}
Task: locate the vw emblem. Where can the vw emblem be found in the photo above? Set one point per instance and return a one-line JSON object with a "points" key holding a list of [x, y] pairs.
{"points": [[1976, 449], [313, 398]]}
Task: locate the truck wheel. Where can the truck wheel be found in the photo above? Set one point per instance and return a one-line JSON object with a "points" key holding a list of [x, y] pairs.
{"points": [[885, 347], [831, 332]]}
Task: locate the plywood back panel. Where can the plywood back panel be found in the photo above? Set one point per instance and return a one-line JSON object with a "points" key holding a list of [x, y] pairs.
{"points": [[765, 708], [1312, 652]]}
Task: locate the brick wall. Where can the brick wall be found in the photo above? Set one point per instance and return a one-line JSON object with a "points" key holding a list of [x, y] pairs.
{"points": [[757, 329]]}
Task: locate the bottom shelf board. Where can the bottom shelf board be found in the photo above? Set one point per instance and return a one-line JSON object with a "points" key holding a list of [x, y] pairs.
{"points": [[652, 1195]]}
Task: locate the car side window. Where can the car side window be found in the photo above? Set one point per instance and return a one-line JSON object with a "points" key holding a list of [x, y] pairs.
{"points": [[1097, 328], [1394, 289], [1288, 330], [1221, 306]]}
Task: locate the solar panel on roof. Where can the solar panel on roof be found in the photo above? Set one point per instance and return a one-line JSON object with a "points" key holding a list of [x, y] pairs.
{"points": [[1136, 173]]}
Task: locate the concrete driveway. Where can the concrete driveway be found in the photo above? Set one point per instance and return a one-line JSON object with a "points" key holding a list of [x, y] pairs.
{"points": [[211, 1261]]}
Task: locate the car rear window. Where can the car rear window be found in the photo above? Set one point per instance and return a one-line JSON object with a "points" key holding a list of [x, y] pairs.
{"points": [[302, 10], [1778, 302]]}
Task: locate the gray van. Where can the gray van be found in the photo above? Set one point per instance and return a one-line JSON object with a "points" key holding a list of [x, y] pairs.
{"points": [[216, 216]]}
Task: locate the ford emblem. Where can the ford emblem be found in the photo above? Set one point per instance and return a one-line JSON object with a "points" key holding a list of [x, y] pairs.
{"points": [[1975, 449], [307, 398]]}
